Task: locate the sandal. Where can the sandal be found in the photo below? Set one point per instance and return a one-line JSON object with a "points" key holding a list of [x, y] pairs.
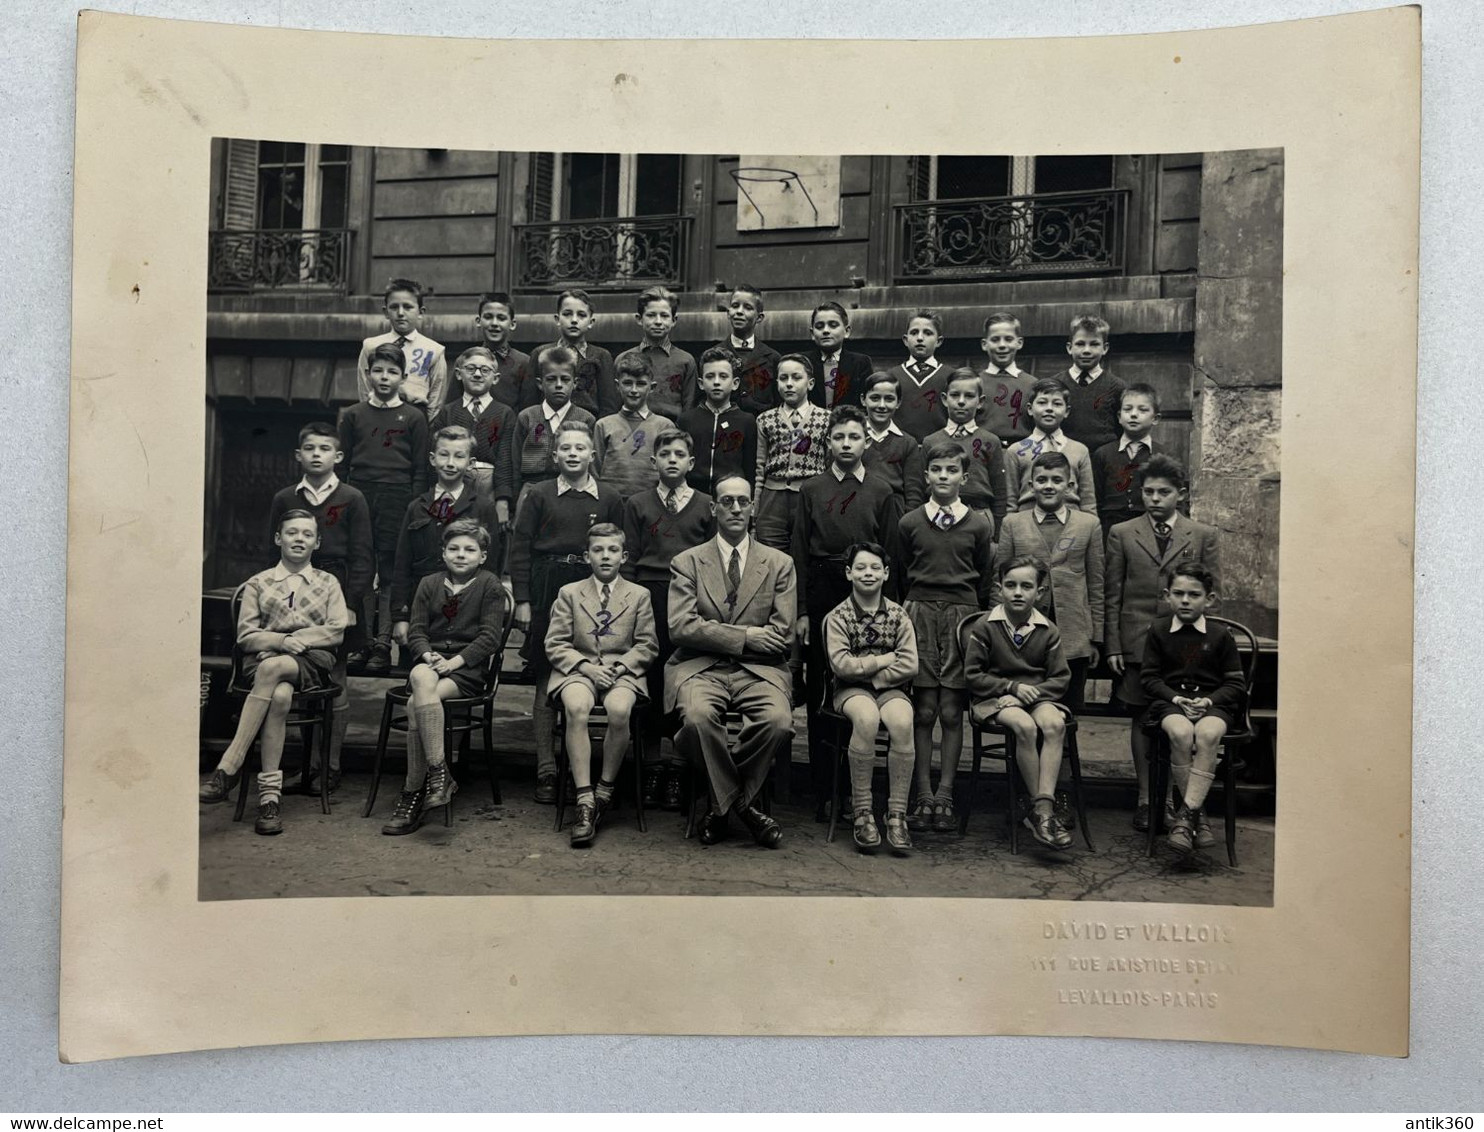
{"points": [[944, 820], [896, 833], [921, 817], [867, 836]]}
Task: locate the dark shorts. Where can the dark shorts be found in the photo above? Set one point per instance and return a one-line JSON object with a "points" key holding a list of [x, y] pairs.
{"points": [[1158, 709], [548, 576], [469, 681], [314, 669]]}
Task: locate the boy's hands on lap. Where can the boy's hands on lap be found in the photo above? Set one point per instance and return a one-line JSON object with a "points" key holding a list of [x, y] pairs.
{"points": [[294, 646], [1027, 694]]}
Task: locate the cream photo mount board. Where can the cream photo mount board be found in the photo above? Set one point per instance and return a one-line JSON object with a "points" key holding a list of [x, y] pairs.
{"points": [[147, 968]]}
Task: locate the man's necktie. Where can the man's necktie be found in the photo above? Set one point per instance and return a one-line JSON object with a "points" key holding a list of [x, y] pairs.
{"points": [[734, 576], [672, 502], [1162, 538]]}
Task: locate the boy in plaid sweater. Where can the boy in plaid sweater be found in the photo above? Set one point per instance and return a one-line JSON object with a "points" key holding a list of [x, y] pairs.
{"points": [[792, 445]]}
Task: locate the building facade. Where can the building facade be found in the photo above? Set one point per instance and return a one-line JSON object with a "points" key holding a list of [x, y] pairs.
{"points": [[1181, 253]]}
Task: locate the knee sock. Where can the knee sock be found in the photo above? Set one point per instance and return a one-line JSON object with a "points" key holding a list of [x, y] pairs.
{"points": [[862, 760], [430, 731], [899, 764], [254, 711], [417, 765], [1200, 785], [270, 786], [1180, 774]]}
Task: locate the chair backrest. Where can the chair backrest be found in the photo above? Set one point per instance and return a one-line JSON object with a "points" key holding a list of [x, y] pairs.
{"points": [[1249, 659], [965, 627], [496, 659]]}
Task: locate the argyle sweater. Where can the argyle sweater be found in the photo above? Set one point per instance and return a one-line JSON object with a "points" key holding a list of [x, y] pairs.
{"points": [[786, 455], [851, 634]]}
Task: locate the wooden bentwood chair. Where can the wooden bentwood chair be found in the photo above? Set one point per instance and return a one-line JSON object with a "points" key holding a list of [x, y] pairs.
{"points": [[1004, 748], [1240, 735], [462, 716]]}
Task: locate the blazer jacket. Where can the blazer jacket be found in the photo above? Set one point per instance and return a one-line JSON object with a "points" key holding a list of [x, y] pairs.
{"points": [[706, 631], [850, 378], [1076, 563], [581, 630], [1134, 588]]}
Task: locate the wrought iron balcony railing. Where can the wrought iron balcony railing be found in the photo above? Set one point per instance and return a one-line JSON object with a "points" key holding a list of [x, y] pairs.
{"points": [[264, 259], [991, 237], [620, 253]]}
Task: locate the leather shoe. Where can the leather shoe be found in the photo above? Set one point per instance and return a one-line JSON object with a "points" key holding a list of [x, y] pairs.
{"points": [[672, 789], [714, 828], [546, 786], [218, 788], [408, 815], [585, 828], [765, 831], [378, 660]]}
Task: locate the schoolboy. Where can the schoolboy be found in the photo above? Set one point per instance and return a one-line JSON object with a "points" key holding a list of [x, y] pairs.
{"points": [[872, 651], [601, 643], [1017, 674], [290, 618], [1193, 677], [891, 453], [490, 424], [922, 379], [1049, 403], [657, 526], [457, 616], [725, 436], [1007, 387], [623, 442], [757, 362], [1092, 407], [424, 368], [385, 442], [674, 370], [792, 445], [596, 388], [450, 499], [840, 373], [984, 488], [546, 552], [1140, 551], [839, 507], [536, 427], [343, 522], [947, 556], [1118, 465], [1070, 542], [495, 318]]}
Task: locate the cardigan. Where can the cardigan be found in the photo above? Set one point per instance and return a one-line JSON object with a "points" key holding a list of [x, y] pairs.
{"points": [[420, 541], [470, 620], [725, 444], [755, 371]]}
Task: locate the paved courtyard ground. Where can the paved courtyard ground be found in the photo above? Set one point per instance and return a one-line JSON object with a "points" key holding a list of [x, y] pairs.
{"points": [[511, 849]]}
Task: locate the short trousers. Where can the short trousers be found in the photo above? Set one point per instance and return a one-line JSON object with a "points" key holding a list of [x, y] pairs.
{"points": [[314, 669], [940, 662], [1158, 709], [469, 681], [881, 698], [628, 680]]}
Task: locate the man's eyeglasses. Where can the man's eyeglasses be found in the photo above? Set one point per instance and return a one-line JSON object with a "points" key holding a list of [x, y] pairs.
{"points": [[481, 371], [734, 502]]}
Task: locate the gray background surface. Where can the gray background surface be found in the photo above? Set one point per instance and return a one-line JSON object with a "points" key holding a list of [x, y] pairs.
{"points": [[992, 1073]]}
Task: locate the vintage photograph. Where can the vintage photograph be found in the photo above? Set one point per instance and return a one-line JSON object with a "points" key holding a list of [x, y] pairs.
{"points": [[697, 524]]}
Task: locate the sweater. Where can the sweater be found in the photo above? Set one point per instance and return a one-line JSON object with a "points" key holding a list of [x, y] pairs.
{"points": [[1187, 662], [851, 636], [674, 372], [1116, 482], [653, 536], [623, 451], [897, 460], [1018, 459], [385, 446], [549, 523], [787, 456], [922, 410], [954, 565], [1007, 402], [984, 486], [725, 445], [532, 444], [756, 369], [344, 536], [1092, 416], [833, 513], [420, 542], [470, 620], [307, 606], [492, 431], [596, 389], [992, 663]]}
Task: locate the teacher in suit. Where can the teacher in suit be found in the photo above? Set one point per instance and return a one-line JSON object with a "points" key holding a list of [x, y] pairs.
{"points": [[732, 607]]}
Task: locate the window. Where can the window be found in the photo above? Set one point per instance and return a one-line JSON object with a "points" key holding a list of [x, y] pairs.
{"points": [[956, 177], [596, 186]]}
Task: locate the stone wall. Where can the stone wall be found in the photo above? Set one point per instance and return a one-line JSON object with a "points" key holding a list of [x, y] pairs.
{"points": [[1237, 399]]}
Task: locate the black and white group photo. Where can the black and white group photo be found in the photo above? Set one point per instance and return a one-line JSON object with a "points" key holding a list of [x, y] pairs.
{"points": [[696, 524]]}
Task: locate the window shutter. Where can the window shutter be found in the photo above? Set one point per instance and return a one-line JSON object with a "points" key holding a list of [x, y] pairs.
{"points": [[920, 177], [240, 192], [539, 188]]}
